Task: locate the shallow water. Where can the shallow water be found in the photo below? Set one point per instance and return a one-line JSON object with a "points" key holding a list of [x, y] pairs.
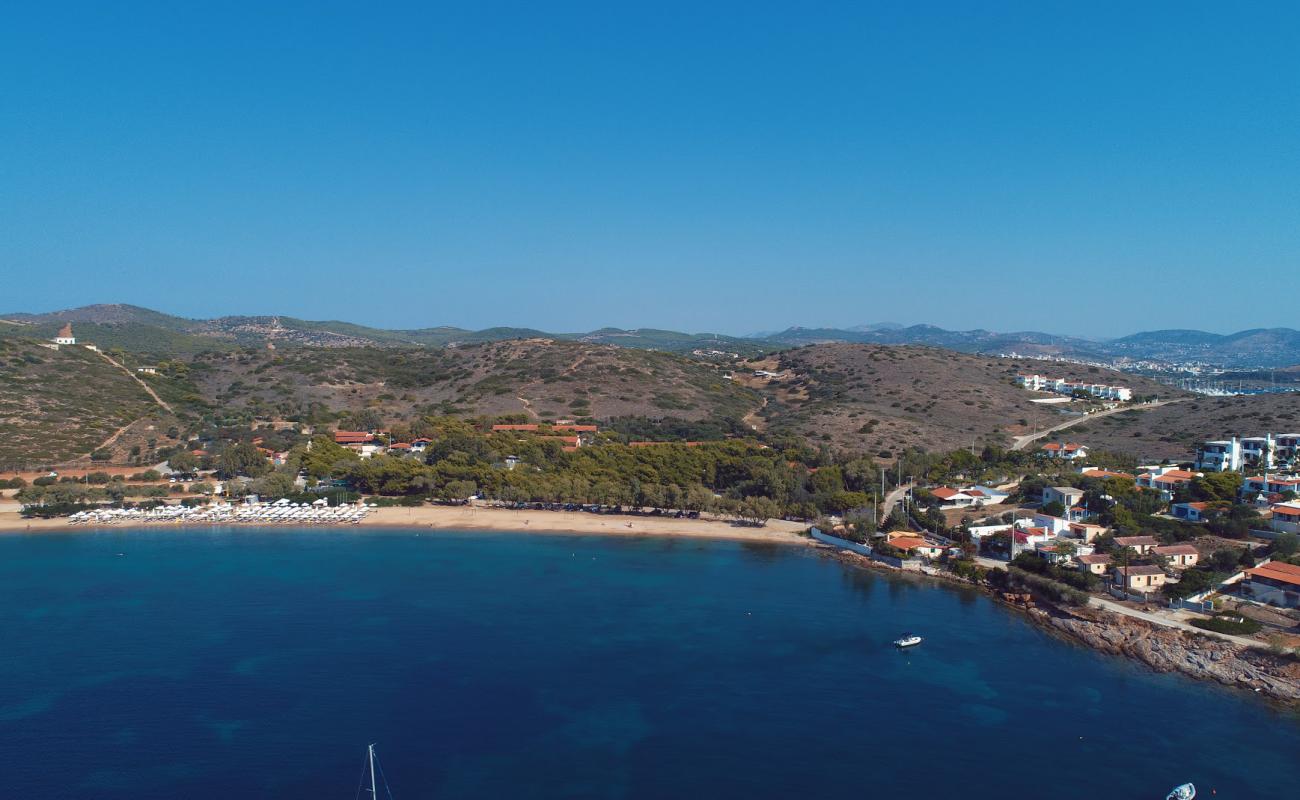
{"points": [[242, 663]]}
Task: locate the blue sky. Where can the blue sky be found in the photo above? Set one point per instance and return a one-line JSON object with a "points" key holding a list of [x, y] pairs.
{"points": [[1087, 168]]}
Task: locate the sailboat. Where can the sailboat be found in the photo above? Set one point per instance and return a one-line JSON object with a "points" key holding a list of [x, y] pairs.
{"points": [[376, 775]]}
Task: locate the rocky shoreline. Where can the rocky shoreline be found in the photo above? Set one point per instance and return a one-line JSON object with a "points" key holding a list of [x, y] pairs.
{"points": [[1168, 650], [1162, 649]]}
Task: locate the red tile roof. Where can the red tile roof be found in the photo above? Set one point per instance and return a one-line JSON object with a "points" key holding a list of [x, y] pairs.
{"points": [[1278, 571], [353, 437], [1140, 569], [569, 440], [1177, 550], [1136, 541], [906, 543], [1105, 473], [1174, 476]]}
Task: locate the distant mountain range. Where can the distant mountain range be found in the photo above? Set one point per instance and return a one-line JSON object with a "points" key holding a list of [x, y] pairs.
{"points": [[1259, 348], [144, 330]]}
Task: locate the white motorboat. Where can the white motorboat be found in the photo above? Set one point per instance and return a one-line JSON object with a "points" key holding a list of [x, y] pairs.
{"points": [[908, 640], [1183, 792]]}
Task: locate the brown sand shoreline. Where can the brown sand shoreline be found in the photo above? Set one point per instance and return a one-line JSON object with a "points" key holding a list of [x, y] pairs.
{"points": [[475, 518]]}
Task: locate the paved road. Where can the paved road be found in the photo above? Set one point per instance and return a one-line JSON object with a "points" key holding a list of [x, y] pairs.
{"points": [[892, 499], [1169, 622], [1162, 619], [1021, 442]]}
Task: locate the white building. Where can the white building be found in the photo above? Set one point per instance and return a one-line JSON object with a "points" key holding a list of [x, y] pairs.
{"points": [[1263, 452], [1067, 496], [1286, 518], [1288, 446], [952, 498], [1269, 484], [1040, 383], [987, 495], [1220, 455], [1055, 526], [1070, 451], [1274, 582]]}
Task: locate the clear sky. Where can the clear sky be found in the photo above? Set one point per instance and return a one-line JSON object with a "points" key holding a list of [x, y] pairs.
{"points": [[1082, 167]]}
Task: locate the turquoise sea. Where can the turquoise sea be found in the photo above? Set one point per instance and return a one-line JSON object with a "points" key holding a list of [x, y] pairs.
{"points": [[243, 663]]}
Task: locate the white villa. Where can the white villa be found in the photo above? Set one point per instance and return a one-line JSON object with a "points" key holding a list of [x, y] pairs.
{"points": [[1262, 452], [1040, 383]]}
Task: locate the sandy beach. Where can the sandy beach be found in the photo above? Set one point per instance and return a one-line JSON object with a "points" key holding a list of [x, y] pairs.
{"points": [[473, 518]]}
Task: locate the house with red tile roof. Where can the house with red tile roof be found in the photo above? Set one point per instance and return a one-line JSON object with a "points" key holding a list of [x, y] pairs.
{"points": [[1276, 582], [1086, 531], [1166, 480], [915, 545], [1142, 544], [1141, 578], [1102, 474], [1031, 537], [1286, 518], [952, 498], [1271, 484], [1065, 450], [1096, 563], [1191, 512], [1181, 556], [353, 437]]}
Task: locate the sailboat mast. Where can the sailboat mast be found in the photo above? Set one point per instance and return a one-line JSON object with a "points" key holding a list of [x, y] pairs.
{"points": [[374, 792]]}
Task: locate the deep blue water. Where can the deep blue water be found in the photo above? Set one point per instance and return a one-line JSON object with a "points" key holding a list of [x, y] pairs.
{"points": [[259, 664]]}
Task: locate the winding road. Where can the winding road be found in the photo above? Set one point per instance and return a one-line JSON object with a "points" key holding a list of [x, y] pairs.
{"points": [[1020, 442]]}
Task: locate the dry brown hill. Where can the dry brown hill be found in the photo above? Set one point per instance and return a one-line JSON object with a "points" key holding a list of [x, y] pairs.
{"points": [[1173, 432], [543, 378], [877, 398], [61, 404]]}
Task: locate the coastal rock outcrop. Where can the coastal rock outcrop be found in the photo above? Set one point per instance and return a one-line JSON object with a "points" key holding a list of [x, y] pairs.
{"points": [[1166, 650]]}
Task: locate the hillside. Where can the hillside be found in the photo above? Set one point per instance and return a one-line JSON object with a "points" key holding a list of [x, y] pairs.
{"points": [[143, 330], [1172, 432], [877, 398], [138, 329], [59, 405], [542, 378]]}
